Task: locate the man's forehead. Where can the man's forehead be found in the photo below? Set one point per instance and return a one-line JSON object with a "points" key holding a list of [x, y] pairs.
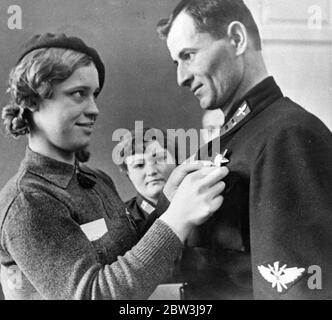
{"points": [[182, 33]]}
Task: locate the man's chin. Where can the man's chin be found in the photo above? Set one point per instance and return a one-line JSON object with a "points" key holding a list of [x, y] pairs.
{"points": [[208, 105]]}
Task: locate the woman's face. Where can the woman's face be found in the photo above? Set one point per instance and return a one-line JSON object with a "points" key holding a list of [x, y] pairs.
{"points": [[64, 123], [149, 171]]}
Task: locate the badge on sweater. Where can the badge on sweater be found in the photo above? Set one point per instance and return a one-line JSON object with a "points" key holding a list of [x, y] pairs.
{"points": [[94, 230], [280, 277]]}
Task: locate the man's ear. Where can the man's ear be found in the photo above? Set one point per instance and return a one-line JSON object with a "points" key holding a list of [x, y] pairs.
{"points": [[237, 33]]}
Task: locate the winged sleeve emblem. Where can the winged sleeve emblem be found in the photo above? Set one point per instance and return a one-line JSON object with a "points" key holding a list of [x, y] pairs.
{"points": [[280, 277]]}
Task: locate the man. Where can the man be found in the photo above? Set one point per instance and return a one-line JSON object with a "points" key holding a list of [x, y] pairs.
{"points": [[212, 122], [273, 234]]}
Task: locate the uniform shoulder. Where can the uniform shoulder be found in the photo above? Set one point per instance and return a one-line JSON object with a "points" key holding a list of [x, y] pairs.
{"points": [[131, 203], [286, 116], [287, 113]]}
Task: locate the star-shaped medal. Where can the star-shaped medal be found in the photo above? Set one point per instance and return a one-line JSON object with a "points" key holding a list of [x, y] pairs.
{"points": [[221, 159]]}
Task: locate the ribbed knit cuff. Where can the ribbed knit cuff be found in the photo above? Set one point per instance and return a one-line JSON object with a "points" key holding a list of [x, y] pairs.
{"points": [[159, 247]]}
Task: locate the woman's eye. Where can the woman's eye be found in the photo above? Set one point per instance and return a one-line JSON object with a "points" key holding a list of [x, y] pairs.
{"points": [[79, 94]]}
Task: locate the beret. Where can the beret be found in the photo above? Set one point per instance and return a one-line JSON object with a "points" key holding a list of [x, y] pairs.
{"points": [[49, 40]]}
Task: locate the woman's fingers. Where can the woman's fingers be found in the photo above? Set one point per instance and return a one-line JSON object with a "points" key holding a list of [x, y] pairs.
{"points": [[209, 176]]}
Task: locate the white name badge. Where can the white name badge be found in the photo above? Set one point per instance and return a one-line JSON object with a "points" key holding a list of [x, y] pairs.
{"points": [[94, 230], [168, 291]]}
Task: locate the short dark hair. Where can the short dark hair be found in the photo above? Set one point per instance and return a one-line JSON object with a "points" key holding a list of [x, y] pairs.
{"points": [[214, 17], [131, 144]]}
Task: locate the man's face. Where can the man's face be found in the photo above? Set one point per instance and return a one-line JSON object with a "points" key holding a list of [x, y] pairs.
{"points": [[208, 66]]}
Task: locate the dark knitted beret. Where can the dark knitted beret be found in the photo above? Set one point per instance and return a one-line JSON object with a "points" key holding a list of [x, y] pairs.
{"points": [[49, 40]]}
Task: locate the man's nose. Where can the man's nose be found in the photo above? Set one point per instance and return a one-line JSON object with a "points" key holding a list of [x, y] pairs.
{"points": [[184, 76]]}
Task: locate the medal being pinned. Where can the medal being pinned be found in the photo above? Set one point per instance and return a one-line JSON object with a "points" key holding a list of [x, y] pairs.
{"points": [[220, 159]]}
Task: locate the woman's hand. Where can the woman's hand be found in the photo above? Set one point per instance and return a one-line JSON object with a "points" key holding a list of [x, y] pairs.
{"points": [[179, 173], [197, 198]]}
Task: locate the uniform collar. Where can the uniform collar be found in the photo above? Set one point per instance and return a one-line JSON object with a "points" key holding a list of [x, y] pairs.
{"points": [[257, 99], [145, 205], [54, 171]]}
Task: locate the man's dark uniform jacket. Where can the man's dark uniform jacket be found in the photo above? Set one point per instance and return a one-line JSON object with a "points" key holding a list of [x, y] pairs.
{"points": [[277, 207]]}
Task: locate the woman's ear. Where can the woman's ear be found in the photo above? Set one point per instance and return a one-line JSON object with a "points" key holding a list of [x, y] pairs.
{"points": [[33, 104], [237, 33]]}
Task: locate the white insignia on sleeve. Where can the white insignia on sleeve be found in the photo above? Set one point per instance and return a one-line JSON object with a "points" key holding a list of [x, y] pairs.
{"points": [[221, 159], [280, 277]]}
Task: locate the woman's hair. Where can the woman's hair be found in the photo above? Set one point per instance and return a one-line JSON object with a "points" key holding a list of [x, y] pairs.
{"points": [[33, 79], [136, 141]]}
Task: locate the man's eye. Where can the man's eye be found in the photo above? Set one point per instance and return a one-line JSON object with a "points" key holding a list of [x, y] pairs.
{"points": [[188, 56]]}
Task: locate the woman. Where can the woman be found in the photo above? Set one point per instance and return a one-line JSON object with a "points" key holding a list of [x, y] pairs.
{"points": [[147, 158], [64, 230]]}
